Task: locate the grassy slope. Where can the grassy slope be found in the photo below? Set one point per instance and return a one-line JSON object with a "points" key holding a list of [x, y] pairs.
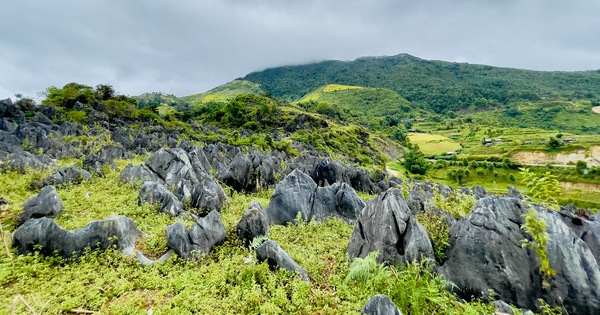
{"points": [[366, 102], [225, 92]]}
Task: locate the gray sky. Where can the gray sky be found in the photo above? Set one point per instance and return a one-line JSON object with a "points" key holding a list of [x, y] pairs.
{"points": [[184, 47]]}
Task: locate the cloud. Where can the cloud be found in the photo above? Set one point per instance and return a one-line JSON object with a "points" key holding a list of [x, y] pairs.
{"points": [[184, 47]]}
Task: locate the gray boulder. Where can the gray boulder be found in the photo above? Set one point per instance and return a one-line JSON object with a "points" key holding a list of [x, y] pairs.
{"points": [[45, 204], [380, 304], [67, 175], [156, 193], [239, 173], [387, 225], [199, 239], [95, 164], [292, 195], [24, 161], [254, 223], [338, 200], [278, 258], [171, 166], [207, 195], [137, 174], [298, 193], [486, 253], [577, 280], [45, 235]]}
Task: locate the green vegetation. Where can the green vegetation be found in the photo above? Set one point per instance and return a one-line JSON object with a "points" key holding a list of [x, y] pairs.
{"points": [[415, 162], [415, 289], [433, 144], [436, 85], [536, 228], [224, 93]]}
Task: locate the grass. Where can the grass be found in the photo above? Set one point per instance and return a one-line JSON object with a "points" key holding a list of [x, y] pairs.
{"points": [[432, 143]]}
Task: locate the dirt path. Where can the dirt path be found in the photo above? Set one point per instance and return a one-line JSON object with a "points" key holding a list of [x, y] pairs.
{"points": [[392, 172], [596, 109]]}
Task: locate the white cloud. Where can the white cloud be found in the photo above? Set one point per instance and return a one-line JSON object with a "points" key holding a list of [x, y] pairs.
{"points": [[183, 46]]}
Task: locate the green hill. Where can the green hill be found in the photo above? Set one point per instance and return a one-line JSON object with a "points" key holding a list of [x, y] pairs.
{"points": [[436, 85], [225, 92], [360, 100]]}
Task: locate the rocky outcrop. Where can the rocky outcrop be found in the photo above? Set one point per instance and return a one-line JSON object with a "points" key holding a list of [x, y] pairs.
{"points": [[45, 204], [25, 161], [298, 193], [489, 242], [95, 164], [276, 257], [387, 225], [292, 195], [66, 175], [137, 174], [156, 193], [199, 239], [46, 236], [253, 224], [380, 304], [207, 195]]}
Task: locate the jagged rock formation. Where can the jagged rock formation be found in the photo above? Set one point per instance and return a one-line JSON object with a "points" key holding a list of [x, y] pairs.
{"points": [[254, 223], [387, 225], [47, 236], [199, 239], [23, 161], [298, 193], [157, 193], [66, 175], [488, 242], [45, 204], [380, 304], [276, 257]]}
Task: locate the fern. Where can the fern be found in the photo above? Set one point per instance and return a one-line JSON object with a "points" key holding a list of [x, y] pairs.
{"points": [[365, 269]]}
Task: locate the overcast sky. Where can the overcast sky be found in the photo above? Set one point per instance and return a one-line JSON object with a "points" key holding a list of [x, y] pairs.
{"points": [[184, 47]]}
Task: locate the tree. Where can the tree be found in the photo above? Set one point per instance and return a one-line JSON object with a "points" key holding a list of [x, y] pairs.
{"points": [[553, 144], [544, 187], [415, 162], [104, 92], [581, 167]]}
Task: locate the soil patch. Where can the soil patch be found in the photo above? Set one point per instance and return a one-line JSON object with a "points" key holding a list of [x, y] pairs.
{"points": [[537, 157], [586, 186]]}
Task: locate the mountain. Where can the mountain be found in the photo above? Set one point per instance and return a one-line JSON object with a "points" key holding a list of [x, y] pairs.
{"points": [[436, 85]]}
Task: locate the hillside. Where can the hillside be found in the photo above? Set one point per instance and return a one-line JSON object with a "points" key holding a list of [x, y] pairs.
{"points": [[436, 85], [224, 92], [361, 101]]}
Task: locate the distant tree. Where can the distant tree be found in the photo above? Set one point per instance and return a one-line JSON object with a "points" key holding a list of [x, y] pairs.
{"points": [[415, 162], [553, 143], [104, 92], [581, 166]]}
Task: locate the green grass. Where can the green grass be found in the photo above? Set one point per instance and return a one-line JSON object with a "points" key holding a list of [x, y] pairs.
{"points": [[433, 144], [224, 92]]}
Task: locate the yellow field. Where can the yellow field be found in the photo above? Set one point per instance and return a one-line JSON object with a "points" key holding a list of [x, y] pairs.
{"points": [[433, 144], [340, 87]]}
